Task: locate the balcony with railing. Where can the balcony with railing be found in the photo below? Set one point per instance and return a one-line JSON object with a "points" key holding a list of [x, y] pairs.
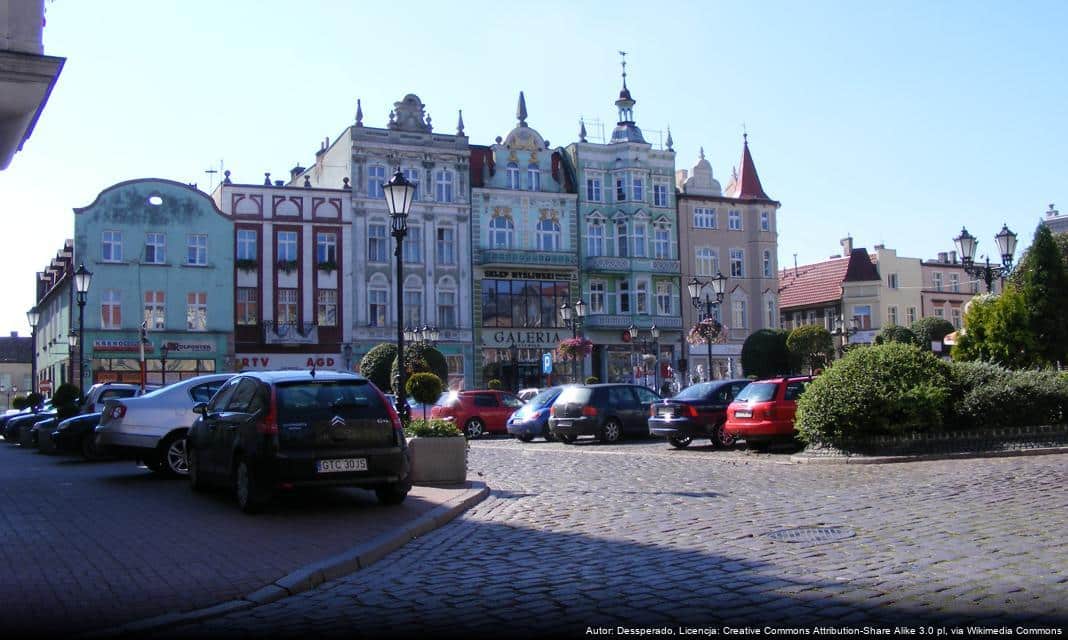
{"points": [[290, 332], [511, 257], [624, 320], [612, 264]]}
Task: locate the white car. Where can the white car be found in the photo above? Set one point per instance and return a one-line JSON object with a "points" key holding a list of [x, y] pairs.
{"points": [[152, 428]]}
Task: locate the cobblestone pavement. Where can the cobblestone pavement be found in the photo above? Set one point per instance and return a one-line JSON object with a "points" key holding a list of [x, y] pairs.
{"points": [[94, 545], [588, 536]]}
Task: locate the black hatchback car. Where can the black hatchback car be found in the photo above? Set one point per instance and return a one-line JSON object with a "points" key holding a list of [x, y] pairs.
{"points": [[605, 411], [273, 430], [698, 411]]}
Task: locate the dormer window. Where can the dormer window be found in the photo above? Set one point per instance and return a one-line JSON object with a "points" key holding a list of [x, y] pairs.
{"points": [[513, 175]]}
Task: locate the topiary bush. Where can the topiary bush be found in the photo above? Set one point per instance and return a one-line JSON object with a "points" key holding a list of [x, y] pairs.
{"points": [[991, 397], [895, 333], [375, 365], [420, 357], [494, 384], [764, 354], [592, 380], [884, 389], [424, 388], [930, 329]]}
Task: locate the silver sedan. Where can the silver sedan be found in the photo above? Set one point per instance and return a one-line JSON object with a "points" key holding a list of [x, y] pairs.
{"points": [[152, 428]]}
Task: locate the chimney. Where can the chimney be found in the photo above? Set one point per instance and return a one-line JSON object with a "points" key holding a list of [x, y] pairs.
{"points": [[14, 334], [953, 256], [942, 257], [847, 246]]}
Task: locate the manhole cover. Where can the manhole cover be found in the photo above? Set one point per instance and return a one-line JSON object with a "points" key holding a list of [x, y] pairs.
{"points": [[811, 534]]}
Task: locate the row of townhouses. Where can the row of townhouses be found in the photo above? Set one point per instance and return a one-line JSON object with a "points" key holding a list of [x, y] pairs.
{"points": [[300, 272]]}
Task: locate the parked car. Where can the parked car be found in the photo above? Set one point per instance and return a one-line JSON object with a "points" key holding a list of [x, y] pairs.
{"points": [[532, 419], [100, 392], [477, 412], [604, 411], [269, 430], [152, 428], [763, 412], [526, 394], [36, 437], [25, 420], [77, 435], [698, 411]]}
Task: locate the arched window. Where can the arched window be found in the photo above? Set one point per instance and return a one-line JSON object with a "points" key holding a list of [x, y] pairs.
{"points": [[622, 248], [533, 177], [502, 232], [548, 235], [513, 175], [595, 237]]}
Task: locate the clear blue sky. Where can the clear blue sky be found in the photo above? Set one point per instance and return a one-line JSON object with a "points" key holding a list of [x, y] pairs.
{"points": [[896, 122]]}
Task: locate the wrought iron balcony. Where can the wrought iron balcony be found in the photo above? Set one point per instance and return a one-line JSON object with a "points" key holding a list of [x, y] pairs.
{"points": [[290, 332]]}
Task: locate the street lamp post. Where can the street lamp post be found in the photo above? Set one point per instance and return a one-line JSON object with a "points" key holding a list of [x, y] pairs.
{"points": [[573, 316], [718, 284], [632, 331], [653, 341], [654, 333], [72, 341], [966, 244], [33, 316], [399, 194], [513, 350], [163, 364], [843, 331], [82, 278]]}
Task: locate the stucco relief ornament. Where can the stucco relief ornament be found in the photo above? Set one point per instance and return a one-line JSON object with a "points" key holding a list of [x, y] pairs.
{"points": [[706, 331]]}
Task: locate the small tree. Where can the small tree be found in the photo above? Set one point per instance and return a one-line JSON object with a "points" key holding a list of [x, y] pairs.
{"points": [[812, 345], [765, 354], [930, 329], [66, 400], [996, 330], [494, 384], [1044, 285], [375, 365], [424, 388], [895, 333]]}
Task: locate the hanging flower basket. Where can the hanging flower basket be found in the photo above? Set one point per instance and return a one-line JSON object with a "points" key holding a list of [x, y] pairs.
{"points": [[574, 348], [707, 331]]}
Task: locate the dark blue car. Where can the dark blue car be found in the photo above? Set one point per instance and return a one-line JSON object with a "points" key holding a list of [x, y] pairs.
{"points": [[532, 419]]}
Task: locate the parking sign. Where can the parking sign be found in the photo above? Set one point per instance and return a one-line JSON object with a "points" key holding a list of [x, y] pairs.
{"points": [[547, 363]]}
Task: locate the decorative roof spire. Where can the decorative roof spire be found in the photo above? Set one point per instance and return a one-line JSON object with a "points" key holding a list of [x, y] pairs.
{"points": [[582, 130], [623, 63], [746, 184], [702, 153], [359, 113], [670, 142], [460, 124], [521, 110]]}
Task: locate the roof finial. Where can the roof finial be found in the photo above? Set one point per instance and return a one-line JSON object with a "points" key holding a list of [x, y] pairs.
{"points": [[670, 142], [359, 113], [623, 62], [460, 124], [702, 154], [521, 110], [582, 130]]}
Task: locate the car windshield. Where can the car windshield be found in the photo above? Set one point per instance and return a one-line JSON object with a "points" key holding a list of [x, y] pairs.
{"points": [[347, 398], [697, 391], [757, 392], [576, 395], [543, 399]]}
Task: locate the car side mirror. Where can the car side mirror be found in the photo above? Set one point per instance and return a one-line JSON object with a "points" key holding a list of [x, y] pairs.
{"points": [[201, 408]]}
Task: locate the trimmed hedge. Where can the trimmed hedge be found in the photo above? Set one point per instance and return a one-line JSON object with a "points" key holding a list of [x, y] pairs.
{"points": [[990, 396], [896, 333], [880, 390], [375, 365], [432, 429]]}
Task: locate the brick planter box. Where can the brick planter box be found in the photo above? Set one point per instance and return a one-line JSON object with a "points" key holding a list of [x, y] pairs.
{"points": [[438, 460], [947, 442]]}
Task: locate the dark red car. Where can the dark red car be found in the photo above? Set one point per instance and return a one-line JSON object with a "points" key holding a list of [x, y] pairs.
{"points": [[477, 413], [764, 411], [698, 411]]}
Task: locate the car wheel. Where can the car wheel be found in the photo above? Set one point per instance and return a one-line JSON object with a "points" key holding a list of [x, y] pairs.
{"points": [[474, 428], [526, 437], [172, 453], [251, 496], [723, 440], [549, 437], [611, 431], [196, 479], [393, 493], [680, 442], [89, 449]]}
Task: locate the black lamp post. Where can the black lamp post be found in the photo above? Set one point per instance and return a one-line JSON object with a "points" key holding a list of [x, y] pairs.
{"points": [[82, 278], [573, 316], [513, 350], [966, 244], [399, 194], [72, 341], [653, 341], [33, 316], [718, 284], [843, 331], [163, 364]]}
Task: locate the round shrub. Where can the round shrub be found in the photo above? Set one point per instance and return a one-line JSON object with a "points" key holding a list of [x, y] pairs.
{"points": [[66, 400], [884, 389], [375, 365], [18, 402], [424, 388], [421, 358], [896, 333], [592, 380], [494, 384], [764, 353], [930, 329]]}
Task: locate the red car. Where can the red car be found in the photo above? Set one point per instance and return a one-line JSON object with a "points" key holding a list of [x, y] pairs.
{"points": [[477, 412], [764, 411]]}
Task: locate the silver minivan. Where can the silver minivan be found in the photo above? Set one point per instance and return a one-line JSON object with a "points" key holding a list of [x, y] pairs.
{"points": [[152, 428]]}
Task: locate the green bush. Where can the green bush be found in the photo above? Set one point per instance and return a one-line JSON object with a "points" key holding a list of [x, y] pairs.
{"points": [[66, 400], [420, 358], [375, 365], [432, 429], [494, 384], [764, 354], [424, 388], [895, 333], [811, 345], [592, 380], [1001, 398], [930, 329], [18, 402], [884, 389]]}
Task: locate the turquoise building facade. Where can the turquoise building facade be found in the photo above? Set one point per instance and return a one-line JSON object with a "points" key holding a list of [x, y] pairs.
{"points": [[162, 254]]}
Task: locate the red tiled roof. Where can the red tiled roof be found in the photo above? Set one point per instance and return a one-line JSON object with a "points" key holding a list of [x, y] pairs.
{"points": [[747, 186], [812, 283]]}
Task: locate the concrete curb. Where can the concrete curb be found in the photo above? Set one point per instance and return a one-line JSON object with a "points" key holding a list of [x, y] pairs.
{"points": [[803, 459], [310, 576]]}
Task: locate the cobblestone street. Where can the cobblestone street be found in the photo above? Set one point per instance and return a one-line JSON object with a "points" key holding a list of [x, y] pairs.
{"points": [[639, 534]]}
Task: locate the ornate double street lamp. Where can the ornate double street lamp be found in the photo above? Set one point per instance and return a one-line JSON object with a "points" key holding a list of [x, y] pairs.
{"points": [[718, 284], [399, 194], [966, 244], [573, 316], [427, 335], [654, 342], [843, 331], [33, 316], [82, 278]]}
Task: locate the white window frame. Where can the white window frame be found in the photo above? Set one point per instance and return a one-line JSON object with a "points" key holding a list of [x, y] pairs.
{"points": [[412, 176], [891, 281], [376, 179], [595, 236], [443, 182], [155, 310], [765, 221], [325, 243], [640, 239], [861, 311], [445, 244], [548, 239], [196, 253], [413, 303], [286, 240], [768, 271], [111, 309], [660, 194], [641, 297], [598, 296], [706, 261], [891, 314], [247, 248], [623, 296], [326, 308], [512, 172], [594, 188], [250, 305], [910, 315], [704, 218], [157, 241], [287, 306], [502, 228], [637, 188], [664, 294], [533, 177], [110, 246], [196, 311], [377, 305], [954, 282], [936, 280], [662, 241], [377, 242], [446, 300], [739, 314], [734, 220], [622, 237], [737, 257], [413, 245]]}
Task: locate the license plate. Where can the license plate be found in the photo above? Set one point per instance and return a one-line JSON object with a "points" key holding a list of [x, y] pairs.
{"points": [[666, 413], [341, 465], [743, 413]]}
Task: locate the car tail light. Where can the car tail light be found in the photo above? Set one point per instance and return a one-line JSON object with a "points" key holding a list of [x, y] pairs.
{"points": [[691, 411], [589, 412], [268, 425], [552, 411], [118, 411], [652, 411]]}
